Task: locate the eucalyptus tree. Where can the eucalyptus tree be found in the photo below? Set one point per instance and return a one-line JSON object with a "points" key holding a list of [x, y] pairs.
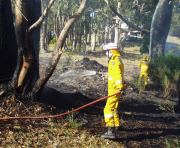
{"points": [[160, 27]]}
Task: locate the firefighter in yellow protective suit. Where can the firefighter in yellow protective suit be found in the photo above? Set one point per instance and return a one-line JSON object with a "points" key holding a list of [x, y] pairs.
{"points": [[144, 70], [115, 84]]}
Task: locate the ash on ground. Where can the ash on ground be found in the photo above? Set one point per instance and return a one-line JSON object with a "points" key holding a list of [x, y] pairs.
{"points": [[85, 76]]}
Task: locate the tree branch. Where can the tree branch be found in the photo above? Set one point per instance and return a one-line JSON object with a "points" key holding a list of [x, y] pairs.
{"points": [[40, 20], [124, 19]]}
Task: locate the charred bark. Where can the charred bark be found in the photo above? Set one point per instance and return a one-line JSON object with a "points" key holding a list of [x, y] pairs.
{"points": [[27, 70], [8, 45], [27, 23]]}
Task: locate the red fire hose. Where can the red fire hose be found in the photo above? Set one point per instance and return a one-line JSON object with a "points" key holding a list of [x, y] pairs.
{"points": [[58, 115]]}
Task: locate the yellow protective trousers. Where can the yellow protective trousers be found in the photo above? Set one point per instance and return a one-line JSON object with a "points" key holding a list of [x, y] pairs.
{"points": [[115, 84]]}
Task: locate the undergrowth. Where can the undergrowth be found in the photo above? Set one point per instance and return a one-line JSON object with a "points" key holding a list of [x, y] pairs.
{"points": [[165, 73], [171, 143]]}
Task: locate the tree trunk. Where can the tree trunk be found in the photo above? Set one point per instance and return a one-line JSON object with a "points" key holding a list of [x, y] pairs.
{"points": [[74, 38], [116, 32], [160, 27], [106, 38], [116, 36], [8, 45], [93, 40], [43, 35], [27, 70]]}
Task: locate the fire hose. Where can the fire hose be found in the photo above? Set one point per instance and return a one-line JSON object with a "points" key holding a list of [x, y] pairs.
{"points": [[57, 115]]}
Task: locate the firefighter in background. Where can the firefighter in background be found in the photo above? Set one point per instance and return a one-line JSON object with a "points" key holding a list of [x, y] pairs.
{"points": [[115, 84], [144, 71]]}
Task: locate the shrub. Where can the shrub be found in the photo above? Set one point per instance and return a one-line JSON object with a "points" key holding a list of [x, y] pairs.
{"points": [[144, 48], [165, 72], [69, 43], [53, 40]]}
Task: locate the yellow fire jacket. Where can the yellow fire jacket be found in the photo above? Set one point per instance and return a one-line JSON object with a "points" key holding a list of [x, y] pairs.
{"points": [[144, 65], [144, 70], [115, 72], [115, 84]]}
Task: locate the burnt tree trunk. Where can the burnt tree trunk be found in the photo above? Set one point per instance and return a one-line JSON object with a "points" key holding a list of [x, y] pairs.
{"points": [[8, 45], [27, 70]]}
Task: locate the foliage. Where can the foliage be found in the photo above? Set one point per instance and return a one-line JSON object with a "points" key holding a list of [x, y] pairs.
{"points": [[144, 48], [53, 40], [171, 143], [165, 71], [166, 107], [73, 122], [175, 27], [140, 12]]}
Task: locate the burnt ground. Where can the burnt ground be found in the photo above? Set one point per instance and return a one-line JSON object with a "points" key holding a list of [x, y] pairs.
{"points": [[147, 119]]}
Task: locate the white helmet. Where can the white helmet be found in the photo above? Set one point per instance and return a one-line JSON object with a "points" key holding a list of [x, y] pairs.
{"points": [[110, 46]]}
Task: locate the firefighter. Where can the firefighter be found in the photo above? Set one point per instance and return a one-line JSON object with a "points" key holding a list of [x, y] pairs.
{"points": [[115, 84], [144, 70]]}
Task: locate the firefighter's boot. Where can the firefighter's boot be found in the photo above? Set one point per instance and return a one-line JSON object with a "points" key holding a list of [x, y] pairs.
{"points": [[110, 134]]}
